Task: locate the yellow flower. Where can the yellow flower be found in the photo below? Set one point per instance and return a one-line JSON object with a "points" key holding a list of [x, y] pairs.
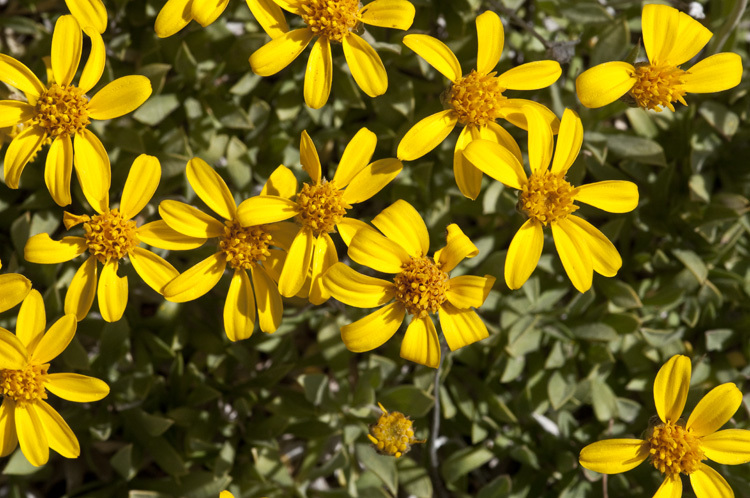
{"points": [[109, 237], [671, 38], [547, 198], [176, 14], [393, 433], [420, 285], [89, 13], [333, 21], [226, 494], [320, 208], [476, 100], [24, 381], [60, 112], [13, 289], [677, 447], [242, 248]]}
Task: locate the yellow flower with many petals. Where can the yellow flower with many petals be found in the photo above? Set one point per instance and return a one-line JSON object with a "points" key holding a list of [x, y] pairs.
{"points": [[320, 208], [677, 447], [176, 14], [89, 13], [60, 114], [547, 198], [476, 100], [421, 285], [241, 248], [333, 21], [14, 288], [24, 381], [109, 237], [671, 38]]}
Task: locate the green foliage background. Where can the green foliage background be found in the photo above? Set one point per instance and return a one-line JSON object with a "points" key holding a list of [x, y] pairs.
{"points": [[191, 414]]}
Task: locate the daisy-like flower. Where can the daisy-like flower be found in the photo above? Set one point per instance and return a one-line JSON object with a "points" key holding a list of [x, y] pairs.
{"points": [[241, 248], [60, 113], [109, 237], [320, 208], [676, 447], [393, 433], [14, 287], [24, 381], [671, 38], [420, 285], [476, 100], [333, 21], [547, 198], [176, 14], [89, 13]]}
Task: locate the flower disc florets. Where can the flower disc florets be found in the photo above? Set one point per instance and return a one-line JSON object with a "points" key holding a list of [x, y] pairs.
{"points": [[421, 286], [547, 197], [62, 110], [24, 385], [674, 449], [321, 206], [110, 236], [245, 246], [658, 85], [393, 433], [332, 19], [476, 98]]}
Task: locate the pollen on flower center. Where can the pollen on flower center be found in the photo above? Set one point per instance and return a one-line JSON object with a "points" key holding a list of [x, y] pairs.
{"points": [[658, 85], [24, 385], [476, 99], [321, 206], [245, 246], [547, 197], [421, 286], [62, 110], [674, 449], [110, 236], [393, 433], [332, 19]]}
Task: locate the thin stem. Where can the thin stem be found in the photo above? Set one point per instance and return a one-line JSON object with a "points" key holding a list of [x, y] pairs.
{"points": [[510, 13], [437, 483]]}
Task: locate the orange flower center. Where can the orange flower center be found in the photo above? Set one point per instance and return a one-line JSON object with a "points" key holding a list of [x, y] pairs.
{"points": [[421, 286], [674, 449], [245, 246], [547, 197], [26, 385], [476, 99], [321, 206], [658, 85], [62, 110], [110, 236], [393, 433], [332, 19]]}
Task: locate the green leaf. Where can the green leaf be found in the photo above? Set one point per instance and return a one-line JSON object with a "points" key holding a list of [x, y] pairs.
{"points": [[464, 461], [642, 150], [155, 109], [383, 466], [409, 400], [692, 262]]}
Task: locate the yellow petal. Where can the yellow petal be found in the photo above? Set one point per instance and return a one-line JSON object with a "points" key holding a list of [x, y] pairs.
{"points": [[43, 250], [371, 249], [605, 83], [490, 37], [458, 247], [540, 139], [530, 76], [574, 254], [308, 157], [153, 269], [67, 42], [496, 133], [120, 97], [671, 388], [280, 52], [268, 299], [671, 487], [55, 340], [691, 37], [659, 25], [13, 289], [319, 74], [604, 256], [189, 220], [82, 290], [396, 14], [281, 183], [469, 291], [76, 387], [59, 435], [714, 74], [356, 157], [727, 447], [569, 142], [421, 343], [523, 254], [461, 327], [468, 177], [226, 494], [59, 169], [31, 435], [89, 13], [401, 223], [17, 75], [613, 196], [426, 135], [175, 15], [707, 483], [21, 149], [159, 234], [324, 256], [207, 11], [355, 289], [365, 65], [373, 330], [714, 409], [283, 234], [140, 186], [211, 188], [239, 308], [32, 320], [92, 169], [513, 111], [297, 263], [436, 53], [8, 437], [269, 16], [13, 112], [348, 228], [497, 161], [196, 281], [372, 180], [293, 6], [613, 456], [13, 352], [263, 209]]}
